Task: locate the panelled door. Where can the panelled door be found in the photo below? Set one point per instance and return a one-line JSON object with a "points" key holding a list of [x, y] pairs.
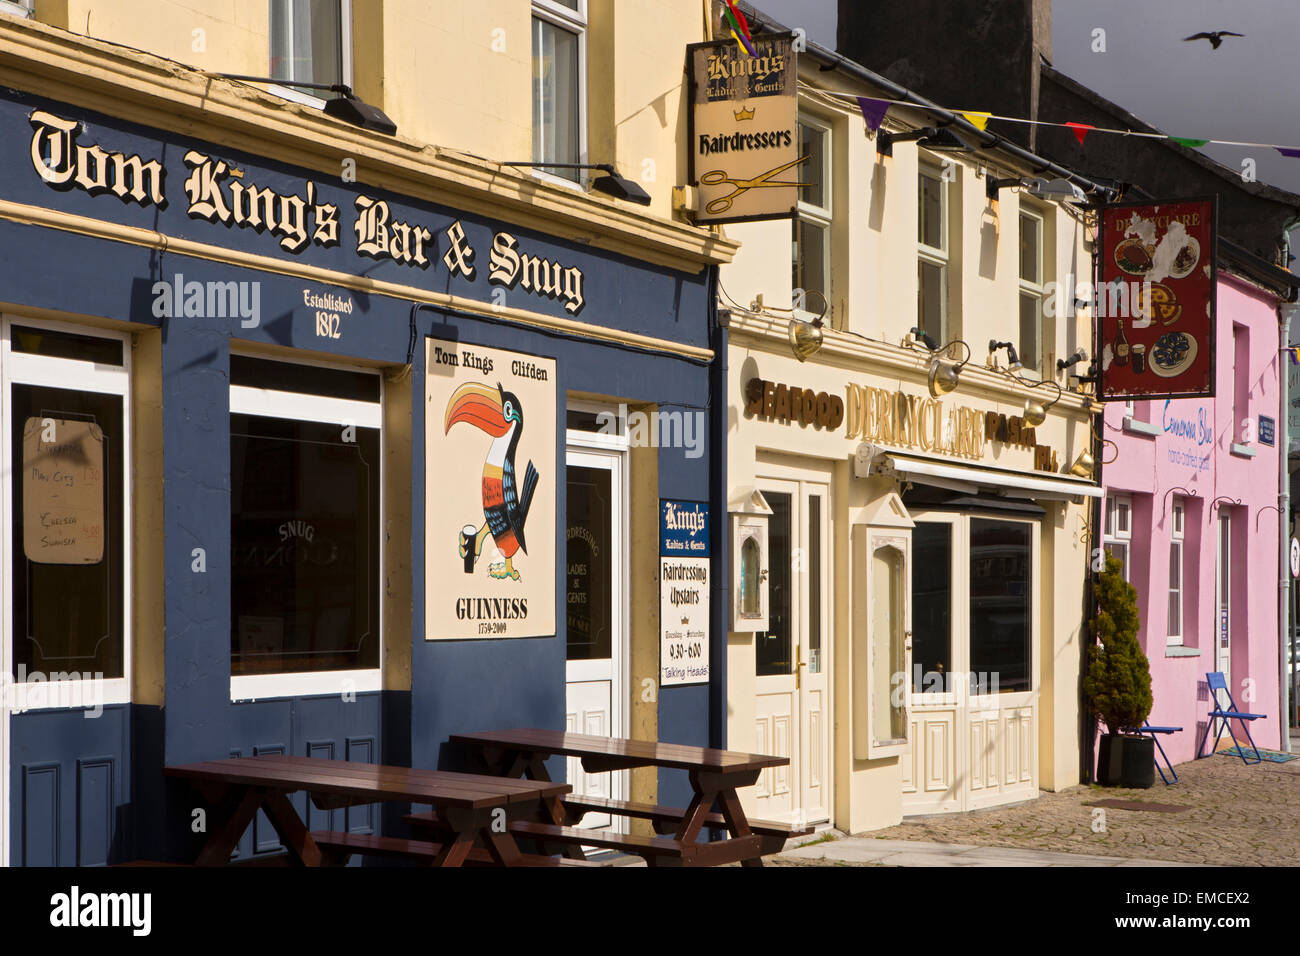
{"points": [[1223, 598], [975, 668], [792, 658], [595, 619]]}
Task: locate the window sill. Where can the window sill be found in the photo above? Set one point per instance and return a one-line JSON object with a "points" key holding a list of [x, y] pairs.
{"points": [[1179, 650], [255, 687], [1135, 427], [1242, 451]]}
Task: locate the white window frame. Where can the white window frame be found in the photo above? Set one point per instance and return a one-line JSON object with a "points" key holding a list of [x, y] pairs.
{"points": [[270, 403], [1178, 521], [307, 97], [820, 217], [574, 21], [1035, 289], [940, 256], [24, 368], [19, 8], [1118, 532]]}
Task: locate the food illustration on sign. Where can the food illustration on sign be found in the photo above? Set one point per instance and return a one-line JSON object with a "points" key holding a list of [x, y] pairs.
{"points": [[1134, 256], [1163, 307], [1186, 260], [505, 506], [1173, 354]]}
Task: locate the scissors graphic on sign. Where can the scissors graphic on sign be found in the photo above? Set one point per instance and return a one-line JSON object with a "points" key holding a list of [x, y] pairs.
{"points": [[719, 177]]}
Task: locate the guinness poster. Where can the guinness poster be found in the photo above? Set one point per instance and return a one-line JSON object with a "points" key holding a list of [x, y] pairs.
{"points": [[745, 130], [490, 485]]}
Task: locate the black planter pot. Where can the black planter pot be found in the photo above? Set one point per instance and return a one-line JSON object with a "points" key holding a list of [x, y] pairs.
{"points": [[1124, 761]]}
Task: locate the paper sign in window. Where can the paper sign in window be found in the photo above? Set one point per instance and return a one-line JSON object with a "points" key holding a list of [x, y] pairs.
{"points": [[63, 491]]}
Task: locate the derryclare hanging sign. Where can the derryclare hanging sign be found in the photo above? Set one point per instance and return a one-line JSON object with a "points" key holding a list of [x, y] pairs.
{"points": [[745, 157], [223, 194]]}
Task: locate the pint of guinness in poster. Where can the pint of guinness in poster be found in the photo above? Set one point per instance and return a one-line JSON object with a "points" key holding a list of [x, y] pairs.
{"points": [[745, 157], [490, 485]]}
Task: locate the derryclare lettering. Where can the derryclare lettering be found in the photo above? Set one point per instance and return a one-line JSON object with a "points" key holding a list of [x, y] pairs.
{"points": [[910, 421], [218, 193]]}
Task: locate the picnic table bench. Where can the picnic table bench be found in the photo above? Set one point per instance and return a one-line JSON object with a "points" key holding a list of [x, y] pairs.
{"points": [[468, 807], [715, 776]]}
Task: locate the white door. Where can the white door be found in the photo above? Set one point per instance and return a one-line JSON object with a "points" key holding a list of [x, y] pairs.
{"points": [[792, 664], [595, 619], [1223, 599]]}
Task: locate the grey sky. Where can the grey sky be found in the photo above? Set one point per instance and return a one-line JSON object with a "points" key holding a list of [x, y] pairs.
{"points": [[1244, 90]]}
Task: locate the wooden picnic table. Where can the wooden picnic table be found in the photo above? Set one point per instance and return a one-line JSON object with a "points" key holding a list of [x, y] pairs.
{"points": [[467, 807], [715, 776]]}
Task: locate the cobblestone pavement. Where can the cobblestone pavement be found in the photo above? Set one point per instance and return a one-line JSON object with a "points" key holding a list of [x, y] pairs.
{"points": [[1240, 816]]}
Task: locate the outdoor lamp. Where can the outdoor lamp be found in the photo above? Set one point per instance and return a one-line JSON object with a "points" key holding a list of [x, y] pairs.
{"points": [[1012, 356], [806, 337], [1070, 361], [611, 184], [347, 106], [939, 139], [1061, 189], [1036, 412], [945, 374], [1083, 465]]}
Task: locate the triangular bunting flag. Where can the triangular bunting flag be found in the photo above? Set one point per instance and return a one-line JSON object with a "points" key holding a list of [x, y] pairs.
{"points": [[873, 111], [1295, 355], [1189, 142], [978, 120], [1080, 130], [739, 28], [1288, 152]]}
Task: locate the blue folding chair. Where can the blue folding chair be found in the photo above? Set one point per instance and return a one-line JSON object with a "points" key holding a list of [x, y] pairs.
{"points": [[1226, 716], [1154, 732]]}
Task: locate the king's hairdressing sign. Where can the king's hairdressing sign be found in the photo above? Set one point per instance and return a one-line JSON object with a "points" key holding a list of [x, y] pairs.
{"points": [[303, 216]]}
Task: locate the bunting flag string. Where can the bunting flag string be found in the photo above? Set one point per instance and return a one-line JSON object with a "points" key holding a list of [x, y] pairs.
{"points": [[874, 110], [739, 28]]}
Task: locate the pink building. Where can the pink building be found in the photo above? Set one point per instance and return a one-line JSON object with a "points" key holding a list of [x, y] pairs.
{"points": [[1192, 509]]}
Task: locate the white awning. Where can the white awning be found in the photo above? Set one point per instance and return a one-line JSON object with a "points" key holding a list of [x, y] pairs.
{"points": [[971, 480]]}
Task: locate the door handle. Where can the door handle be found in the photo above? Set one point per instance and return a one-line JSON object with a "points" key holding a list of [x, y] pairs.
{"points": [[798, 669]]}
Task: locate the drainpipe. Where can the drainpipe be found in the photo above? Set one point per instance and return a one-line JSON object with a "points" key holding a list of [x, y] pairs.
{"points": [[1284, 313]]}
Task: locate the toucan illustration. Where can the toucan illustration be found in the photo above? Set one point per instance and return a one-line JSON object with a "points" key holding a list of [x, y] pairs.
{"points": [[505, 506]]}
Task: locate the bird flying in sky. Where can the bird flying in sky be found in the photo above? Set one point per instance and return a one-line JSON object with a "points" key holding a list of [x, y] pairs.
{"points": [[1215, 38]]}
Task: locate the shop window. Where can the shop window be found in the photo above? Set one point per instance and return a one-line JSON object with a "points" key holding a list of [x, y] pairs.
{"points": [[812, 225], [65, 403], [814, 584], [1176, 602], [20, 8], [1242, 426], [931, 604], [1118, 535], [559, 84], [1031, 290], [773, 647], [932, 267], [305, 526], [888, 646], [1001, 623], [311, 42]]}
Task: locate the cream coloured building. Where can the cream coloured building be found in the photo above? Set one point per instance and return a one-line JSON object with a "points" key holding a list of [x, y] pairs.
{"points": [[926, 551]]}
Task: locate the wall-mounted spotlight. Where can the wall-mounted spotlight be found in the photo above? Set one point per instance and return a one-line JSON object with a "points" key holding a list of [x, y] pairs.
{"points": [[1070, 361], [1036, 412], [937, 138], [1012, 356], [806, 337], [1083, 465], [1058, 189], [347, 106], [611, 184], [945, 374]]}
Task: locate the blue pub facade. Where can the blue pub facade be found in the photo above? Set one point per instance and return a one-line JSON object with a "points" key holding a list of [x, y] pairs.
{"points": [[250, 413]]}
